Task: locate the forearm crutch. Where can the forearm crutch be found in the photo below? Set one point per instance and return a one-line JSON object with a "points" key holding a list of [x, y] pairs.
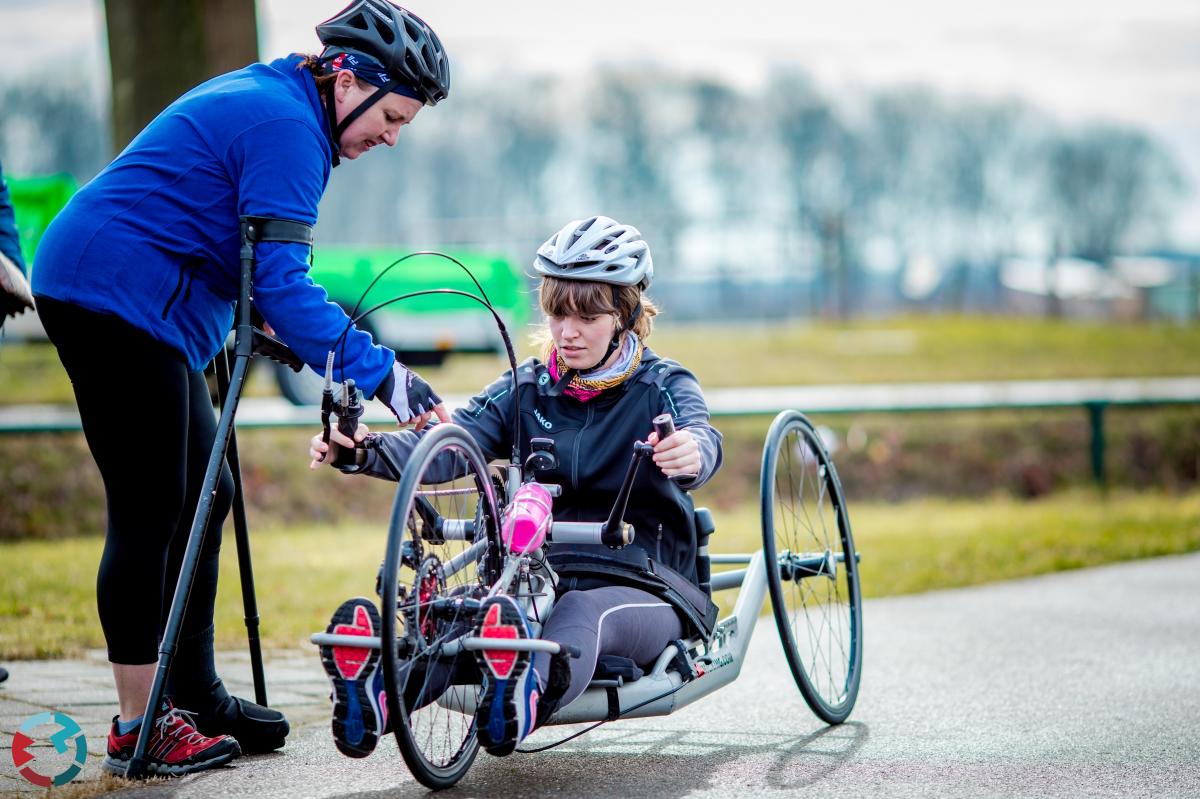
{"points": [[247, 342]]}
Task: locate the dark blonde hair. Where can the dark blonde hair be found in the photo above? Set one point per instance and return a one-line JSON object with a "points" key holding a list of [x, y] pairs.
{"points": [[323, 75], [559, 297]]}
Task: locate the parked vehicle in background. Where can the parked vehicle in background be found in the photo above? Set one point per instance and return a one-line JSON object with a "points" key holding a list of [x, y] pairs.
{"points": [[423, 330], [36, 201]]}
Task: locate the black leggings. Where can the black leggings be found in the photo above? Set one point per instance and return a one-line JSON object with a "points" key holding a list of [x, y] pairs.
{"points": [[150, 425], [614, 620]]}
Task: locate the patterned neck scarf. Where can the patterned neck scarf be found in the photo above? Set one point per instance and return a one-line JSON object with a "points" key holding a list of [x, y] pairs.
{"points": [[586, 388]]}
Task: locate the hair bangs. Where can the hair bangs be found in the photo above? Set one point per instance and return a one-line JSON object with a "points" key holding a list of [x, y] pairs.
{"points": [[575, 297]]}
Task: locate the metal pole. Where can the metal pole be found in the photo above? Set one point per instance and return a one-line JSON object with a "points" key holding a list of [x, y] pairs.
{"points": [[242, 534], [1096, 419]]}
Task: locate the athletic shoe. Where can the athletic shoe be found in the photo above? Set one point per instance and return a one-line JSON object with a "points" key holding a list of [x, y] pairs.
{"points": [[508, 704], [359, 701], [257, 729], [174, 748]]}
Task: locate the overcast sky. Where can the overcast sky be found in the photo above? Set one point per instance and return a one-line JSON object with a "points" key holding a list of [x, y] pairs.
{"points": [[1125, 60]]}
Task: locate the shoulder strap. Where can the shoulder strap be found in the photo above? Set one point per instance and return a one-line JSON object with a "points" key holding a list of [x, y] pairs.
{"points": [[527, 372], [658, 372]]}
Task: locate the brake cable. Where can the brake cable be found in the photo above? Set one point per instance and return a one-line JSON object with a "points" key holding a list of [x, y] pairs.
{"points": [[482, 298]]}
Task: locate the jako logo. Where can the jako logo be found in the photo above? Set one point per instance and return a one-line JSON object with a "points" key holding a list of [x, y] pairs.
{"points": [[542, 420], [68, 731]]}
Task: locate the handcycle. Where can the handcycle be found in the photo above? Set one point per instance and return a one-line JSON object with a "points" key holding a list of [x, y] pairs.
{"points": [[447, 551]]}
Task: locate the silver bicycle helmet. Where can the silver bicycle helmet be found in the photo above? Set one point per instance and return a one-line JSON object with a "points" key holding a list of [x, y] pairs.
{"points": [[397, 38], [599, 249]]}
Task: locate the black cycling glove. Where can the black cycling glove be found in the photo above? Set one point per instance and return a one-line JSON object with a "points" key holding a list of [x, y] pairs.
{"points": [[406, 394]]}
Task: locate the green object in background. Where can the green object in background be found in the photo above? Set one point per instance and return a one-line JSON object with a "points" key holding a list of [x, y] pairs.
{"points": [[422, 330], [36, 201], [429, 324]]}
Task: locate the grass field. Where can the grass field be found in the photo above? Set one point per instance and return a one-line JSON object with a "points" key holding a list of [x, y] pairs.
{"points": [[47, 602], [871, 351], [47, 597]]}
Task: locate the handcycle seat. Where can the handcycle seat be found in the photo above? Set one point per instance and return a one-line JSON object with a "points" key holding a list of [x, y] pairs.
{"points": [[614, 670]]}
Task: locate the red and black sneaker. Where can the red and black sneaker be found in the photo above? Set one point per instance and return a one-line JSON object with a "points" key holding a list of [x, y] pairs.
{"points": [[175, 747]]}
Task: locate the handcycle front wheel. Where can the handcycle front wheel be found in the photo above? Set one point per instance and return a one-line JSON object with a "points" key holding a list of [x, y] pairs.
{"points": [[812, 567], [429, 567]]}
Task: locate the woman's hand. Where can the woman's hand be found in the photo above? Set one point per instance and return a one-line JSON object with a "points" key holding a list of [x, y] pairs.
{"points": [[319, 451], [678, 455]]}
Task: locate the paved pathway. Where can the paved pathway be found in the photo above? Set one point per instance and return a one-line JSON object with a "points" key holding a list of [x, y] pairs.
{"points": [[1078, 684]]}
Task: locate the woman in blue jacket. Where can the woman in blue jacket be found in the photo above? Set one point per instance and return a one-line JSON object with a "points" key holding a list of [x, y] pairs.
{"points": [[594, 391], [136, 283]]}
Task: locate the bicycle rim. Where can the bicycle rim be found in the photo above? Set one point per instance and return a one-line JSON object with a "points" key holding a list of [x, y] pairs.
{"points": [[814, 585]]}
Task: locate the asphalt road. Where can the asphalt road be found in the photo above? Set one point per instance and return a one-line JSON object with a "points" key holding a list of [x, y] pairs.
{"points": [[1078, 684]]}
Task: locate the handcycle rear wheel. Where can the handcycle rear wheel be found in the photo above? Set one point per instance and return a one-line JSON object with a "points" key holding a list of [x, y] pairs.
{"points": [[812, 566], [425, 574]]}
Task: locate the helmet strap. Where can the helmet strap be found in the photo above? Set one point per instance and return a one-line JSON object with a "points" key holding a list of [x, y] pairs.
{"points": [[331, 117], [621, 328], [339, 128], [613, 345], [561, 384]]}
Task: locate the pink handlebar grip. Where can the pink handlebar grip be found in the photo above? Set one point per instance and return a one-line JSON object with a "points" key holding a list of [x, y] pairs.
{"points": [[527, 519]]}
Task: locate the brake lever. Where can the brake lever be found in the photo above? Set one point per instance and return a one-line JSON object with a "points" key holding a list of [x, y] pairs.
{"points": [[327, 400], [348, 412]]}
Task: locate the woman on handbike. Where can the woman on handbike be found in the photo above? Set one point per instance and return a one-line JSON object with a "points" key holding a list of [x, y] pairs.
{"points": [[594, 391]]}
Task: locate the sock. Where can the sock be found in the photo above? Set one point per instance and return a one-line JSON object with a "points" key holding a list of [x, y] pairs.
{"points": [[193, 682], [126, 727]]}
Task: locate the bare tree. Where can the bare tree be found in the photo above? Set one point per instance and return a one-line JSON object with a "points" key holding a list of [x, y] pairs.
{"points": [[829, 169], [158, 49], [1106, 185]]}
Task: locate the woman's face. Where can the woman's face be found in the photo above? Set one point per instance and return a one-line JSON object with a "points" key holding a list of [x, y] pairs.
{"points": [[379, 125], [582, 340]]}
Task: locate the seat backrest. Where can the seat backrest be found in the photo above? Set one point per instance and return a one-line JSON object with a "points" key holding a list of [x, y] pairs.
{"points": [[705, 526]]}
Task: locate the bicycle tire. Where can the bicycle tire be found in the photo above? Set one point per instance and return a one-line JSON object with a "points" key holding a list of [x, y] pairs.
{"points": [[812, 572], [437, 738]]}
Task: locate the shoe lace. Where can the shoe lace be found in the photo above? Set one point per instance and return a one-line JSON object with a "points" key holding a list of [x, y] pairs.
{"points": [[179, 724]]}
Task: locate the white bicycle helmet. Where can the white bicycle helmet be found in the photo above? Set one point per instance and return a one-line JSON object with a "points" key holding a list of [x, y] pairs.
{"points": [[599, 249]]}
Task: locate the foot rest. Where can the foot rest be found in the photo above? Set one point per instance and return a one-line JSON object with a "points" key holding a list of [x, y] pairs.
{"points": [[355, 641], [470, 643], [518, 645]]}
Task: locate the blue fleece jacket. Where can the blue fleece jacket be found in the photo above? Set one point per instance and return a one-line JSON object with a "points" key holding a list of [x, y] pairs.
{"points": [[10, 244], [154, 238]]}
